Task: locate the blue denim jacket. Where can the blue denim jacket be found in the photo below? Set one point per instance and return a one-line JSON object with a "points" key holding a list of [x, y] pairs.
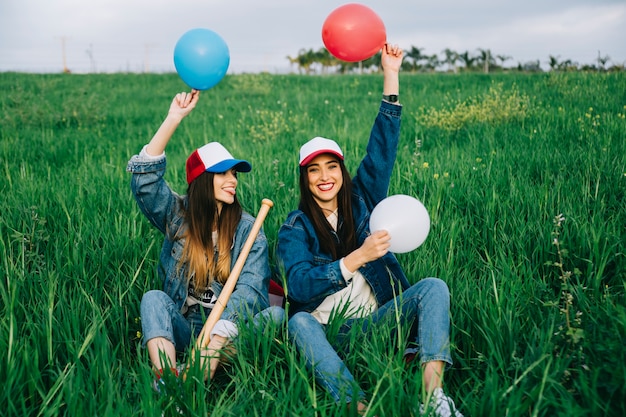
{"points": [[162, 207], [313, 275]]}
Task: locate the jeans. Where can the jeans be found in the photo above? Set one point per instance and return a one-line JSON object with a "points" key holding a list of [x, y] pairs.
{"points": [[160, 317], [426, 304]]}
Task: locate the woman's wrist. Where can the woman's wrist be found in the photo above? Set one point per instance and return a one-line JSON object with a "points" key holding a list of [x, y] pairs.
{"points": [[391, 86], [173, 117], [353, 261]]}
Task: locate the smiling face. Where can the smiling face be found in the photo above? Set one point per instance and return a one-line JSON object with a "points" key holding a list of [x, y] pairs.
{"points": [[225, 187], [325, 180]]}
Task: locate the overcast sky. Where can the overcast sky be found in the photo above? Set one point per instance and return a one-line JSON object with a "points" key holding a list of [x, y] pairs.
{"points": [[140, 35]]}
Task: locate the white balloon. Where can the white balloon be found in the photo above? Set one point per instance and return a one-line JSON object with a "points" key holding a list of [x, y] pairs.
{"points": [[405, 218]]}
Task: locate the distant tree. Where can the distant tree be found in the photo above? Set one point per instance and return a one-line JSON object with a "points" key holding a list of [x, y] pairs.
{"points": [[294, 61], [485, 59], [568, 65], [407, 66], [431, 62], [602, 61], [565, 65], [413, 57], [310, 62], [503, 59], [346, 67], [530, 66], [450, 59], [553, 62], [306, 59], [373, 63], [467, 60], [588, 67], [325, 59], [299, 61]]}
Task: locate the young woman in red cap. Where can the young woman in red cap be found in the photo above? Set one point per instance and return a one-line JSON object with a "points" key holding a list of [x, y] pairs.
{"points": [[337, 269], [204, 232]]}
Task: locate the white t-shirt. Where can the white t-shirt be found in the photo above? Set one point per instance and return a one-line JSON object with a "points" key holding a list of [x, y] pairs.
{"points": [[356, 300]]}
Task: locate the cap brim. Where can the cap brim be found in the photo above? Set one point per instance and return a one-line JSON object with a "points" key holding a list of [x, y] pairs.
{"points": [[315, 154], [223, 166]]}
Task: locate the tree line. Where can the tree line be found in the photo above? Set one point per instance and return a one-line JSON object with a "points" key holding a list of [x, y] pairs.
{"points": [[309, 61]]}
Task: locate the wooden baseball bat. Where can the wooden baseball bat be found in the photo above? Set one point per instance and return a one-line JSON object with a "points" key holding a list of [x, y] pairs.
{"points": [[204, 336]]}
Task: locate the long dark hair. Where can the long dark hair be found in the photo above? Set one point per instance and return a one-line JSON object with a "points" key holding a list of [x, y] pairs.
{"points": [[201, 218], [345, 225]]}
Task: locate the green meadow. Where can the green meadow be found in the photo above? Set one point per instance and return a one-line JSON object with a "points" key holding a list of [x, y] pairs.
{"points": [[523, 175]]}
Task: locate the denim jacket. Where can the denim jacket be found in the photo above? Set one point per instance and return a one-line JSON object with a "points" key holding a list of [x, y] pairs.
{"points": [[162, 207], [312, 275]]}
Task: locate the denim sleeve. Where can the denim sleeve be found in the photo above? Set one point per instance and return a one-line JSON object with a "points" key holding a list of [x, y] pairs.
{"points": [[251, 291], [374, 173], [154, 197], [311, 277]]}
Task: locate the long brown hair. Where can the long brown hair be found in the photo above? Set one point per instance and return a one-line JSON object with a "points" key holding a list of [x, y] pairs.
{"points": [[345, 226], [201, 218]]}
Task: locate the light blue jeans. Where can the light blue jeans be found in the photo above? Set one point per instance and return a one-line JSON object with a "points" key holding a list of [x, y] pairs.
{"points": [[160, 317], [425, 305]]}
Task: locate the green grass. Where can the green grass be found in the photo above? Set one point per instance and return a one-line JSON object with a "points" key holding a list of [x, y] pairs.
{"points": [[495, 159]]}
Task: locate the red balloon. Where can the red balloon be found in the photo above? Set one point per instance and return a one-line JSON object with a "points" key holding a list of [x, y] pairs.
{"points": [[353, 32]]}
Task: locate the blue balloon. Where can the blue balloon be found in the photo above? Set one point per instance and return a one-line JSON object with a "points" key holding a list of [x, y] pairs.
{"points": [[201, 58]]}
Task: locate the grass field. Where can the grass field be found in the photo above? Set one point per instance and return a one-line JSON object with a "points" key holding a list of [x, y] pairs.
{"points": [[524, 177]]}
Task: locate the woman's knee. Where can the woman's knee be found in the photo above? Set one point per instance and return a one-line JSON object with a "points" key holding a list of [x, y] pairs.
{"points": [[300, 322], [151, 300], [438, 289], [152, 296], [274, 314]]}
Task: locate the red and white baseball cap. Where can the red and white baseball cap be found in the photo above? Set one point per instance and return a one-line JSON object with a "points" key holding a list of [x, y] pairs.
{"points": [[318, 146], [213, 157]]}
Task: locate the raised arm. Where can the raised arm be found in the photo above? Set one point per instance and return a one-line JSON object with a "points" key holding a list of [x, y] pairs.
{"points": [[182, 104], [391, 60], [377, 244]]}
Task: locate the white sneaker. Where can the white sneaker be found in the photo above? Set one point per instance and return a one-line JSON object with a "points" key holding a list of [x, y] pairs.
{"points": [[440, 405]]}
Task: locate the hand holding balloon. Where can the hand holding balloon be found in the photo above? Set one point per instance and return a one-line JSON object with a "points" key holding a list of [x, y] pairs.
{"points": [[374, 247], [405, 218], [391, 57], [183, 103]]}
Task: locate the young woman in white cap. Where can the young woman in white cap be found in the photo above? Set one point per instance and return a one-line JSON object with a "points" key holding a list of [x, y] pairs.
{"points": [[336, 268], [204, 232]]}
